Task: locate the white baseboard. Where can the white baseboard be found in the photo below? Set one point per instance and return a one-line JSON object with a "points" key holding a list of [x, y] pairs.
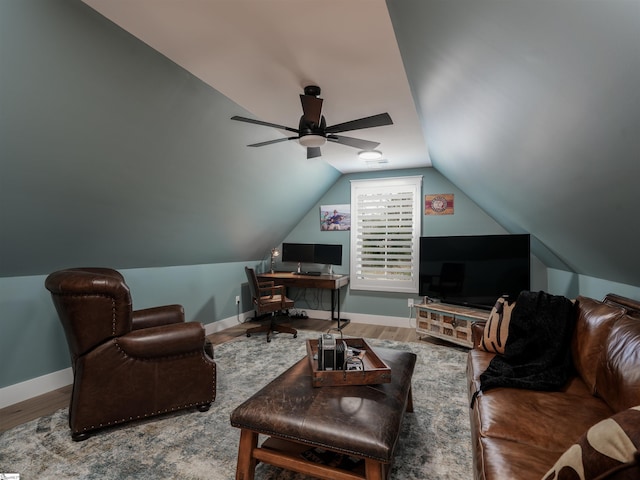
{"points": [[52, 381], [36, 386], [20, 392], [381, 320]]}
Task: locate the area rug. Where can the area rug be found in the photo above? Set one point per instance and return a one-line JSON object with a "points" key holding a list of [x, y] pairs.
{"points": [[434, 442]]}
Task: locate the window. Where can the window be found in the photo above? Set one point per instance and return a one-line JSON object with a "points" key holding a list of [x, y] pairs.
{"points": [[385, 234]]}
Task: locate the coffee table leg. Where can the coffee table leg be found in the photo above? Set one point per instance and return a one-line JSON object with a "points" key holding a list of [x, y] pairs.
{"points": [[246, 463], [374, 470]]}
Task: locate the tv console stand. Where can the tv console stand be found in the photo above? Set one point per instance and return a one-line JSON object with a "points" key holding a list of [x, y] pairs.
{"points": [[448, 322]]}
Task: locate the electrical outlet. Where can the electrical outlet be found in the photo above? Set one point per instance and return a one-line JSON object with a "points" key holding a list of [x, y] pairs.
{"points": [[237, 299], [409, 302]]}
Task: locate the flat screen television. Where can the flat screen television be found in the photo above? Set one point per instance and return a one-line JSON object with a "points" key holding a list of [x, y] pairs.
{"points": [[328, 254], [474, 270]]}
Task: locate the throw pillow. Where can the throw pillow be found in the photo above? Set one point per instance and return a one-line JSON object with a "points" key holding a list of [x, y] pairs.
{"points": [[608, 450], [496, 330]]}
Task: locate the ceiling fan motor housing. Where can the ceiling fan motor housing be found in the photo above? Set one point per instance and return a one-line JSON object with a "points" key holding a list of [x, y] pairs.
{"points": [[309, 128]]}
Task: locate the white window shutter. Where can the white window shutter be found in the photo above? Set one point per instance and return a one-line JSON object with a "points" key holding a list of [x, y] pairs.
{"points": [[385, 234]]}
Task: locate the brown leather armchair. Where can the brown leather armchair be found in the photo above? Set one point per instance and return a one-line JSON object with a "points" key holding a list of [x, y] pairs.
{"points": [[127, 364]]}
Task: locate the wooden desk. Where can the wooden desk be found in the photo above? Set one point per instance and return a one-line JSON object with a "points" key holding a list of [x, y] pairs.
{"points": [[329, 282]]}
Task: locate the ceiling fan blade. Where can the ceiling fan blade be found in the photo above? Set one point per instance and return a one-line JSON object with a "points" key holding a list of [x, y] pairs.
{"points": [[271, 142], [368, 122], [353, 142], [266, 124], [311, 108], [313, 152]]}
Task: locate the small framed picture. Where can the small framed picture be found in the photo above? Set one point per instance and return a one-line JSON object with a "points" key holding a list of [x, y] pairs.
{"points": [[335, 218], [438, 204]]}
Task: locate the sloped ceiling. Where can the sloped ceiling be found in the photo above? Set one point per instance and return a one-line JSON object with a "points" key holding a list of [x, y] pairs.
{"points": [[531, 108], [261, 54], [113, 155]]}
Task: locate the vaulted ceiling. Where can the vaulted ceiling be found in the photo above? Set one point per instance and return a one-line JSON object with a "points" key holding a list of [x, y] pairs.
{"points": [[118, 133]]}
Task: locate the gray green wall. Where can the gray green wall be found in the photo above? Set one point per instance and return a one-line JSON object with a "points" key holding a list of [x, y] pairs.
{"points": [[33, 343], [468, 218]]}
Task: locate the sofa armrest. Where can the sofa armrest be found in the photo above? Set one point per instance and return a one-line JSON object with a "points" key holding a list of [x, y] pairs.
{"points": [[477, 330], [157, 316], [163, 341]]}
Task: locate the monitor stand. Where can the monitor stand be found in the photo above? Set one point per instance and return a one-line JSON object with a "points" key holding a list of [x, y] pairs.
{"points": [[330, 269], [298, 272]]}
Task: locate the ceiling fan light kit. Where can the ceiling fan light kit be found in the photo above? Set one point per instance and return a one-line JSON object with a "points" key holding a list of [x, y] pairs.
{"points": [[312, 140], [313, 131]]}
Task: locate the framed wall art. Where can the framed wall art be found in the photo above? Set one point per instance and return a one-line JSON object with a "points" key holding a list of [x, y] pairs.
{"points": [[438, 204], [335, 218]]}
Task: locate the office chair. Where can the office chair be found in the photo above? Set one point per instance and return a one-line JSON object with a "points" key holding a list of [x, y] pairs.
{"points": [[127, 364], [269, 300]]}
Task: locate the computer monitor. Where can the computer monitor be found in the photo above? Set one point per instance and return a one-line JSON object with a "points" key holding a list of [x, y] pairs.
{"points": [[327, 254], [297, 252]]}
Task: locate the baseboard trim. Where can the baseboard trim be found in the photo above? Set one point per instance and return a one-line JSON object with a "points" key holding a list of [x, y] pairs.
{"points": [[380, 320], [34, 387]]}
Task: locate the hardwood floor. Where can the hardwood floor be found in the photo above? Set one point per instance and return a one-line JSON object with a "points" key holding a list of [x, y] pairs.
{"points": [[52, 401]]}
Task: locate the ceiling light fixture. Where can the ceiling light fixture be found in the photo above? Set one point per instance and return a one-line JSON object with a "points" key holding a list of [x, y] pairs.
{"points": [[370, 155], [312, 140]]}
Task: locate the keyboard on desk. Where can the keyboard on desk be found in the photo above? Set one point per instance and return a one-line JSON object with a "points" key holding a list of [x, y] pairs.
{"points": [[313, 273]]}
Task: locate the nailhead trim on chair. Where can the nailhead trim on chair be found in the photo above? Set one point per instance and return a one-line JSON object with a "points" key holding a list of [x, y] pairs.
{"points": [[149, 414]]}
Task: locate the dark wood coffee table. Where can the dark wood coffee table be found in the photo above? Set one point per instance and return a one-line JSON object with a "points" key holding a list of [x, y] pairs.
{"points": [[362, 422]]}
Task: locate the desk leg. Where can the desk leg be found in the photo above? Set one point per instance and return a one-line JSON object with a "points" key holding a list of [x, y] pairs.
{"points": [[341, 322]]}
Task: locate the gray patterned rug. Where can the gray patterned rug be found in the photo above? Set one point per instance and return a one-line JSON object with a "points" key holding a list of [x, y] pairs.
{"points": [[434, 443]]}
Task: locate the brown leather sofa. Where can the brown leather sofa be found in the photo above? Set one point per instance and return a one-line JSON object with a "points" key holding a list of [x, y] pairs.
{"points": [[520, 434], [127, 364]]}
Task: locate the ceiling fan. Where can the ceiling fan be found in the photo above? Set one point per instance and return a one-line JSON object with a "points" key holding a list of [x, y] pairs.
{"points": [[313, 131]]}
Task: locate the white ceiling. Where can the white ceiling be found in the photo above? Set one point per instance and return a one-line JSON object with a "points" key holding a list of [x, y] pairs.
{"points": [[261, 54]]}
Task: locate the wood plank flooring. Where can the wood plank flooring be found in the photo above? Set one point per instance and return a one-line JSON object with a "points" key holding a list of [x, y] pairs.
{"points": [[52, 401]]}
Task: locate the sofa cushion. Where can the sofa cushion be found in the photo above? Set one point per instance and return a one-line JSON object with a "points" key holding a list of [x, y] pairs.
{"points": [[609, 449], [496, 330], [618, 377], [506, 460], [549, 420], [593, 324]]}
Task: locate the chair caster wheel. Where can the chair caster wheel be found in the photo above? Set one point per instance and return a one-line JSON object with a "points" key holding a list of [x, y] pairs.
{"points": [[204, 408], [268, 340], [248, 334], [295, 335]]}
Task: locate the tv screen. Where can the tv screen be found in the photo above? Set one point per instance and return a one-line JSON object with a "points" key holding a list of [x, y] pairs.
{"points": [[327, 254], [297, 252], [474, 270]]}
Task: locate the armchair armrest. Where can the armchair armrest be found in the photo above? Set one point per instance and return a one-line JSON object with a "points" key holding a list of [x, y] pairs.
{"points": [[163, 341], [477, 331], [157, 316]]}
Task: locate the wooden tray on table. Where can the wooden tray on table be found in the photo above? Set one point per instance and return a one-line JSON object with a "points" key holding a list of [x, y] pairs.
{"points": [[375, 371]]}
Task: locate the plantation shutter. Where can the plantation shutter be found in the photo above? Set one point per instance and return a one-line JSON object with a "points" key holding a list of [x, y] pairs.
{"points": [[385, 234]]}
